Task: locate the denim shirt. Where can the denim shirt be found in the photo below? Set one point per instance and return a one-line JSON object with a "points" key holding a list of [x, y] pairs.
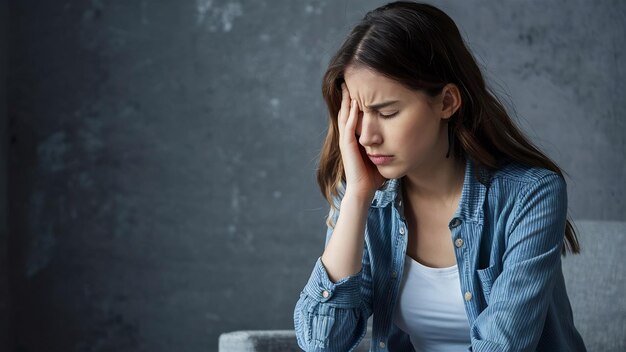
{"points": [[507, 234]]}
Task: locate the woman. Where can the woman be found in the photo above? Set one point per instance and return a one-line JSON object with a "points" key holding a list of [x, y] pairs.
{"points": [[445, 222]]}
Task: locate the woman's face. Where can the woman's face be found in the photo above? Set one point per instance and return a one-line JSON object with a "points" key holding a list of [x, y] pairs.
{"points": [[415, 133]]}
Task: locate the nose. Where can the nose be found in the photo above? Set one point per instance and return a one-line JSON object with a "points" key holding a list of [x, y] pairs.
{"points": [[368, 131]]}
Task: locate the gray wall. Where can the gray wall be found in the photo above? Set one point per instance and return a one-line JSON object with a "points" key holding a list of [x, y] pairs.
{"points": [[4, 289], [162, 171]]}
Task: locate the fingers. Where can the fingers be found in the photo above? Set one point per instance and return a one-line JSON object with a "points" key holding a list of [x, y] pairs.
{"points": [[352, 118], [342, 117]]}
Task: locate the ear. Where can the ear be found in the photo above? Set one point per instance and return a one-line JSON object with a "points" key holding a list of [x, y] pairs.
{"points": [[450, 100]]}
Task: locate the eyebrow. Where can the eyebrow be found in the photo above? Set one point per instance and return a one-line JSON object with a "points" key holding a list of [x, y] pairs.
{"points": [[381, 105]]}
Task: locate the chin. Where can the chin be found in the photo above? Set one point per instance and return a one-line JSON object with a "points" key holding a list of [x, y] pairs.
{"points": [[390, 173]]}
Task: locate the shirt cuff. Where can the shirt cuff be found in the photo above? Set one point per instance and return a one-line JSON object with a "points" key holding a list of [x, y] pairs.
{"points": [[345, 293], [487, 346]]}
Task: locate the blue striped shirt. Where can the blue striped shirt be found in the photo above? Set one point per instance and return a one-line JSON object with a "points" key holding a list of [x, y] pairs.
{"points": [[507, 231]]}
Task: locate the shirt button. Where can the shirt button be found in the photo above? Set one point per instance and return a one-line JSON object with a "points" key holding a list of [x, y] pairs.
{"points": [[394, 274], [325, 294], [455, 222], [381, 344], [468, 296], [458, 242], [402, 230]]}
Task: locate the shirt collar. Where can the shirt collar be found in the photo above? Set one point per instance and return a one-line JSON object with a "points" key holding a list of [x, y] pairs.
{"points": [[472, 195]]}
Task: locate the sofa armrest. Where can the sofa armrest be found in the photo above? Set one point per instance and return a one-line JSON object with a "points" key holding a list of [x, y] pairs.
{"points": [[270, 341], [259, 340]]}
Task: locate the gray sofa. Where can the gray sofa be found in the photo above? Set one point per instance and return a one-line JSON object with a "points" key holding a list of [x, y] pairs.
{"points": [[596, 285]]}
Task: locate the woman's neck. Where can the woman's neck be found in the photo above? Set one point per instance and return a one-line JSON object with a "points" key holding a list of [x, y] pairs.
{"points": [[441, 182]]}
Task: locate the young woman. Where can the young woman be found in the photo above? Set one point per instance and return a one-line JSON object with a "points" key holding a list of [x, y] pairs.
{"points": [[445, 222]]}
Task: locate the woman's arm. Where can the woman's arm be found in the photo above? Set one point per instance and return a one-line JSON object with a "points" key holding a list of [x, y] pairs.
{"points": [[335, 304], [519, 297], [344, 250]]}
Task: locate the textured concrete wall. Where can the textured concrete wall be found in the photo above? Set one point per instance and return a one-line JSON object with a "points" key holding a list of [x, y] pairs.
{"points": [[163, 166], [4, 272]]}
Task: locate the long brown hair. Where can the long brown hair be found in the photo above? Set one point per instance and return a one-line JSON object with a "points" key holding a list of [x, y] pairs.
{"points": [[419, 46]]}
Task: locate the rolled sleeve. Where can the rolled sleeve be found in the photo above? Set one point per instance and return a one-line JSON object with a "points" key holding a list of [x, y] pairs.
{"points": [[345, 293], [332, 316]]}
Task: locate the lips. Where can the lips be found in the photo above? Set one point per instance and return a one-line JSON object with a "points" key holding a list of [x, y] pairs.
{"points": [[380, 159]]}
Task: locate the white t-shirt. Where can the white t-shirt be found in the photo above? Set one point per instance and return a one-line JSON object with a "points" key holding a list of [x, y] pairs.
{"points": [[430, 308]]}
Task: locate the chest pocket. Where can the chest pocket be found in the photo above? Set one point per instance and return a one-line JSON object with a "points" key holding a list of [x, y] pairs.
{"points": [[487, 276]]}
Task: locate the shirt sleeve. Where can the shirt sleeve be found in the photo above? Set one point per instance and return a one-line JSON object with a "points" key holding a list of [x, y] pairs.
{"points": [[519, 297], [333, 316]]}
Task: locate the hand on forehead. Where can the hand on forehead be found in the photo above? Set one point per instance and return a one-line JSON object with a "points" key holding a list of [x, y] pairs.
{"points": [[371, 89]]}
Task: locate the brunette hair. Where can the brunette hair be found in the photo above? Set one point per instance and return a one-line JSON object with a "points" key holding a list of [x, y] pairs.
{"points": [[420, 47]]}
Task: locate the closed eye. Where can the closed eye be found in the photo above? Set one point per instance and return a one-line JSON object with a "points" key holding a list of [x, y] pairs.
{"points": [[388, 116]]}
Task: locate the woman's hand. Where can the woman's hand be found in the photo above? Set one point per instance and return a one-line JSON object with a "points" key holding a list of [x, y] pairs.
{"points": [[362, 176]]}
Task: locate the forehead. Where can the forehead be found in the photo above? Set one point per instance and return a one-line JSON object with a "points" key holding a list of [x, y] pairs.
{"points": [[370, 87]]}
